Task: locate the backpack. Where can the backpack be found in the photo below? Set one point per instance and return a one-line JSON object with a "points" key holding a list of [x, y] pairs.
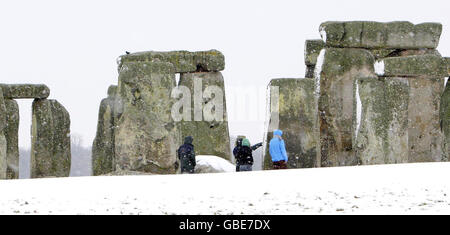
{"points": [[244, 156], [187, 157]]}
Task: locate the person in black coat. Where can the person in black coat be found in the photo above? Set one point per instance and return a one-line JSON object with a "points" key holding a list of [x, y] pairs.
{"points": [[186, 154], [243, 154]]}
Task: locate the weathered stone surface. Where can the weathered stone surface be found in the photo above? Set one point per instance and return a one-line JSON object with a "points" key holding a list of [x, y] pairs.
{"points": [[382, 129], [296, 118], [3, 144], [424, 134], [183, 61], [309, 73], [146, 137], [103, 155], [50, 139], [124, 172], [445, 122], [211, 137], [382, 53], [335, 75], [11, 134], [392, 35], [3, 156], [416, 52], [112, 91], [447, 59], [416, 65], [312, 50], [25, 91]]}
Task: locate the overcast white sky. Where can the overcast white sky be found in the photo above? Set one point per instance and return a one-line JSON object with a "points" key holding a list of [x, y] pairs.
{"points": [[72, 46]]}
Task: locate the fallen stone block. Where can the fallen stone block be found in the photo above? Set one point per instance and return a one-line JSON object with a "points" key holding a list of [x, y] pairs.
{"points": [[11, 134], [211, 137], [382, 122], [412, 66], [103, 155], [183, 61], [146, 137], [336, 72], [392, 35], [50, 140], [25, 91], [296, 118]]}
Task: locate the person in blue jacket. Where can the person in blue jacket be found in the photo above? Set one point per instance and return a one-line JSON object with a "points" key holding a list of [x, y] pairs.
{"points": [[277, 151]]}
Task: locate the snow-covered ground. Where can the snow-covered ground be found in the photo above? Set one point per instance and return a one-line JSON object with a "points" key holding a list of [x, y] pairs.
{"points": [[384, 189]]}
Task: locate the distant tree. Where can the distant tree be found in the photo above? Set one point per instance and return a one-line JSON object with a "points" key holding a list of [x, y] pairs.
{"points": [[81, 156]]}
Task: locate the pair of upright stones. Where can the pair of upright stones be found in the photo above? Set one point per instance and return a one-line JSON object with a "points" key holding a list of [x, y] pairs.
{"points": [[142, 122], [50, 155], [377, 92]]}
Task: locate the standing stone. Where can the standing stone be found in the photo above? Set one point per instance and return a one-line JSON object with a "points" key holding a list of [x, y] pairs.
{"points": [[336, 72], [25, 91], [296, 118], [445, 122], [447, 59], [3, 143], [382, 128], [50, 139], [211, 137], [103, 156], [424, 134], [425, 73], [11, 134], [146, 137]]}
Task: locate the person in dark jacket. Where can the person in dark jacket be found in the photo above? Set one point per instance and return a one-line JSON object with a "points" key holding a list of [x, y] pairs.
{"points": [[186, 154], [277, 150], [236, 149], [243, 154]]}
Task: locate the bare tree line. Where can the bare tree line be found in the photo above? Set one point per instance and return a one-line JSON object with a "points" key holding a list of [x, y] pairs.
{"points": [[81, 159]]}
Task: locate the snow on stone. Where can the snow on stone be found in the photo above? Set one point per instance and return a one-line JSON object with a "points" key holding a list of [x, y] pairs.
{"points": [[415, 188], [445, 82], [318, 70], [358, 109], [119, 60], [379, 67], [323, 34], [177, 79], [213, 164]]}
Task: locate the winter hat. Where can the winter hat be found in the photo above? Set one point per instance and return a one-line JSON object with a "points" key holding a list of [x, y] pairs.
{"points": [[246, 142], [188, 140], [278, 132], [239, 142]]}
